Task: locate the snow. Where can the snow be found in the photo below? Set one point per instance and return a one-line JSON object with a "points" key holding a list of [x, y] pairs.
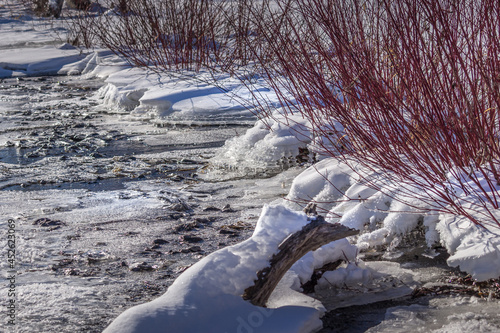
{"points": [[335, 187], [211, 289], [269, 145], [207, 296], [20, 57], [153, 95], [47, 60], [331, 252], [351, 275], [474, 249], [35, 46]]}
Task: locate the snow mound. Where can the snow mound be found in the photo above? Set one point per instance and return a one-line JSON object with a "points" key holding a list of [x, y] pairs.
{"points": [[275, 143], [384, 221], [265, 145], [151, 95], [473, 249], [207, 296]]}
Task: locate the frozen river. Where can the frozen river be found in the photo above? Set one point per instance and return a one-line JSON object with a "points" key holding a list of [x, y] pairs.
{"points": [[108, 209], [103, 208]]}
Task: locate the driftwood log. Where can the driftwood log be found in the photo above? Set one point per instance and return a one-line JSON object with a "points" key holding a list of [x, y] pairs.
{"points": [[311, 237]]}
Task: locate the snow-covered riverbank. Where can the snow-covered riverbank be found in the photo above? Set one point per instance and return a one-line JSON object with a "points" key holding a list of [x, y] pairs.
{"points": [[118, 180]]}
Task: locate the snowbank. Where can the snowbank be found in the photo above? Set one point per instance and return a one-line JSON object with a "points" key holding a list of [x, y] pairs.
{"points": [[473, 249], [61, 60], [34, 46], [384, 221], [206, 297], [153, 95], [47, 60]]}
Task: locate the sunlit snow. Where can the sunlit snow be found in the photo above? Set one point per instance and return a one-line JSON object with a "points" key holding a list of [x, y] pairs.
{"points": [[206, 297]]}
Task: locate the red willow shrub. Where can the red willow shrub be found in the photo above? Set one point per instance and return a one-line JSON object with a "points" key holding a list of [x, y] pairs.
{"points": [[174, 35], [415, 84]]}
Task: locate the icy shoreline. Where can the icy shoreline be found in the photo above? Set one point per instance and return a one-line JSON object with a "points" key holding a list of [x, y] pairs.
{"points": [[111, 207]]}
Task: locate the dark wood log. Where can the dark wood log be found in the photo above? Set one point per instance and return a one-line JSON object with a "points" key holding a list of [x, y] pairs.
{"points": [[309, 286], [311, 237]]}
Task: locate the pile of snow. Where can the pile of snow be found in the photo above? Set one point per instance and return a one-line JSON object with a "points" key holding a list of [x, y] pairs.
{"points": [[267, 145], [154, 95], [275, 143], [473, 249], [207, 296], [47, 60], [385, 221]]}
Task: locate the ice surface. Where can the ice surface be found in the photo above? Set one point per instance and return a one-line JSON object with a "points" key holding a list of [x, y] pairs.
{"points": [[448, 315], [359, 283]]}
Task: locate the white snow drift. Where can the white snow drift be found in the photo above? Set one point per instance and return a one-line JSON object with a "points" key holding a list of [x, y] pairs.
{"points": [[207, 296]]}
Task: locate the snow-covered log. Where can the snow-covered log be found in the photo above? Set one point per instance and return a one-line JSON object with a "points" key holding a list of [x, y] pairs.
{"points": [[207, 296], [311, 237]]}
